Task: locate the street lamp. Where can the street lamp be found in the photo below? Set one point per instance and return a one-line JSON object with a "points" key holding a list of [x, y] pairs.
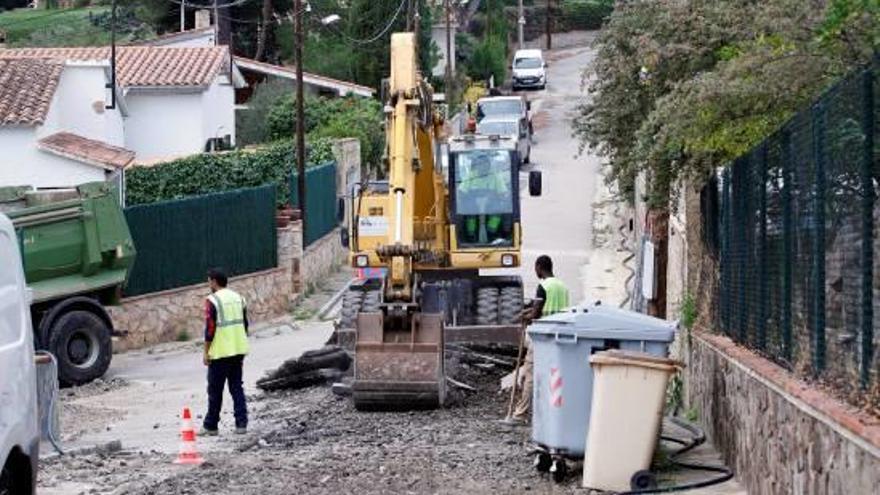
{"points": [[330, 19]]}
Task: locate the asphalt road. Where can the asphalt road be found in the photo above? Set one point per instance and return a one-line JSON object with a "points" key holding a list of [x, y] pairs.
{"points": [[558, 223]]}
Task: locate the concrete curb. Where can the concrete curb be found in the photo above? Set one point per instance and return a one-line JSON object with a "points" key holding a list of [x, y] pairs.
{"points": [[329, 305], [103, 448]]}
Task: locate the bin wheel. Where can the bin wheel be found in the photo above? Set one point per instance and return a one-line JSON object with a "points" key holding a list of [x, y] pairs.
{"points": [[543, 461], [558, 470], [643, 480]]}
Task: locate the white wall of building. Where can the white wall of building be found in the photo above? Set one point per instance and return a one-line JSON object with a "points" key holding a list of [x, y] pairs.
{"points": [[165, 123], [218, 107], [78, 105], [23, 164], [438, 36]]}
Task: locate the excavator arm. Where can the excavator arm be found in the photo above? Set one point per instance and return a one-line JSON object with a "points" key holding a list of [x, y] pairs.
{"points": [[399, 348]]}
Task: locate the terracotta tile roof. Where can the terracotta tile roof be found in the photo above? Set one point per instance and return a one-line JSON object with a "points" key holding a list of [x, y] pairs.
{"points": [[90, 151], [26, 90], [308, 78], [175, 37], [143, 65]]}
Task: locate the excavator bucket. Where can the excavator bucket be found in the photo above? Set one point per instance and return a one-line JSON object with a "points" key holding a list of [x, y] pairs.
{"points": [[399, 369]]}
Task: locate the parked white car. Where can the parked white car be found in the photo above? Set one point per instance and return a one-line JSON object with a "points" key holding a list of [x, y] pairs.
{"points": [[19, 429], [529, 69]]}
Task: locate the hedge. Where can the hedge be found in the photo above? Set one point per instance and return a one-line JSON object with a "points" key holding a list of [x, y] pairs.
{"points": [[214, 172]]}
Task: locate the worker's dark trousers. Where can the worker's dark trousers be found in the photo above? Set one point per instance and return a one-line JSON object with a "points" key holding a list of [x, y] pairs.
{"points": [[221, 371]]}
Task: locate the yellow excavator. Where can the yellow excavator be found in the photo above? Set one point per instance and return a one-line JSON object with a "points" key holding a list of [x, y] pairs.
{"points": [[446, 211]]}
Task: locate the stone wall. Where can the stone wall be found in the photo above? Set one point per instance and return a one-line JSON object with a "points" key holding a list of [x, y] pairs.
{"points": [[779, 434], [321, 258], [169, 315]]}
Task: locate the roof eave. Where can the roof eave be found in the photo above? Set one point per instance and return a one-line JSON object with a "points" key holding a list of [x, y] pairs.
{"points": [[80, 159]]}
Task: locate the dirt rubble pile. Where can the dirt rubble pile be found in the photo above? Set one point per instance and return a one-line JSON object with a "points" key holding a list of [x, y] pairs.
{"points": [[313, 441]]}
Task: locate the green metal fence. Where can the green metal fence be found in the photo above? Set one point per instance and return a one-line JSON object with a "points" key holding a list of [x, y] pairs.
{"points": [[320, 200], [178, 241], [794, 223]]}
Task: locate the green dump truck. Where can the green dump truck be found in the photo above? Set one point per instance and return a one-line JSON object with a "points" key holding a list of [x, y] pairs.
{"points": [[77, 252]]}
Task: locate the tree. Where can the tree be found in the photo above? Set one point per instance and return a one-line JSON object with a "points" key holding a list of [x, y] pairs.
{"points": [[681, 87]]}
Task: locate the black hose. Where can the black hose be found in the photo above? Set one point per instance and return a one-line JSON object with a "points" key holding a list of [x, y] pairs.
{"points": [[696, 440]]}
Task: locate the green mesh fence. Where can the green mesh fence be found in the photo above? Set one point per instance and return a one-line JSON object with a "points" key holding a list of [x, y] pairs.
{"points": [[794, 224], [178, 241], [320, 200]]}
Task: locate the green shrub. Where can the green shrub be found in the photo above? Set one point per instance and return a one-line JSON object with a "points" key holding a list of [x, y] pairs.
{"points": [[352, 117], [584, 14], [252, 124], [215, 172], [489, 59]]}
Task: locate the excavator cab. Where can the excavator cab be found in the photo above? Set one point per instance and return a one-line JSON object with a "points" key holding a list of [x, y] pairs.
{"points": [[484, 196]]}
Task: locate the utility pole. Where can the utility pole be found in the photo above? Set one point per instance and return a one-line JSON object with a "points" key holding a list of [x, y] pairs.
{"points": [[417, 20], [217, 23], [448, 74], [182, 15], [112, 84], [300, 118], [549, 26], [520, 24]]}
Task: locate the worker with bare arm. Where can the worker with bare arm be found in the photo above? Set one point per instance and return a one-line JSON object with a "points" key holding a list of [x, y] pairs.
{"points": [[226, 344], [551, 297]]}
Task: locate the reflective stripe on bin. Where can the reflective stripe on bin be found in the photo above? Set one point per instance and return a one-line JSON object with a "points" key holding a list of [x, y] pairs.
{"points": [[555, 387]]}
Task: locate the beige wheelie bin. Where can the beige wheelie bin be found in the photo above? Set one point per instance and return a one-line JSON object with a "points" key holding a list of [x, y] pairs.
{"points": [[629, 390]]}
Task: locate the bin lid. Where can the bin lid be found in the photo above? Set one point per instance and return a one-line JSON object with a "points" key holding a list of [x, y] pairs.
{"points": [[634, 358], [605, 322]]}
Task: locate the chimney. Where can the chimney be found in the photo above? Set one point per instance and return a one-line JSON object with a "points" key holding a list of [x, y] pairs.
{"points": [[203, 18]]}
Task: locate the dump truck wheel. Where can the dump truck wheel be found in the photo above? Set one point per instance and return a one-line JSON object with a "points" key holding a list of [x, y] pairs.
{"points": [[351, 306], [81, 342], [487, 306], [511, 305]]}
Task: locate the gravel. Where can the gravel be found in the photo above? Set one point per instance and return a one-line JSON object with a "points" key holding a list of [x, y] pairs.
{"points": [[316, 442]]}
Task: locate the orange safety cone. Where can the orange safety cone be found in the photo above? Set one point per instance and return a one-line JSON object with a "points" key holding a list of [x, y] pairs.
{"points": [[188, 453]]}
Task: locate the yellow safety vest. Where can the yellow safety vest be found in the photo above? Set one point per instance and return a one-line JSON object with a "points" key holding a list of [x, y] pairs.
{"points": [[490, 181], [556, 294], [230, 336]]}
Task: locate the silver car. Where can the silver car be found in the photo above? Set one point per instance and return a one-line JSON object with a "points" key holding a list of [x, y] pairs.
{"points": [[509, 125]]}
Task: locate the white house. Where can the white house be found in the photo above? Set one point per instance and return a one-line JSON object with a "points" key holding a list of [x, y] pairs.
{"points": [[202, 36], [55, 127], [176, 101], [255, 73], [438, 36]]}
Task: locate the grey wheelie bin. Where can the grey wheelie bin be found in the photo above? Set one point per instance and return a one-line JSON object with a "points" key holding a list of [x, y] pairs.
{"points": [[563, 379]]}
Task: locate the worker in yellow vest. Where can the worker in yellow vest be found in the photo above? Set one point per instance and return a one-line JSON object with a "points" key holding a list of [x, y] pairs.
{"points": [[226, 344], [552, 297]]}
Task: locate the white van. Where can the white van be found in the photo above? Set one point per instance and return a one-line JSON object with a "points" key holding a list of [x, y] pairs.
{"points": [[529, 69], [19, 430]]}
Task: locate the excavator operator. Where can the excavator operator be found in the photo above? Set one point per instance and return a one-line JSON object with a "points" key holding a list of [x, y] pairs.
{"points": [[484, 185]]}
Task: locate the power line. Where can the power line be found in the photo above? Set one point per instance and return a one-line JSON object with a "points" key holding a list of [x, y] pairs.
{"points": [[188, 5], [377, 36]]}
